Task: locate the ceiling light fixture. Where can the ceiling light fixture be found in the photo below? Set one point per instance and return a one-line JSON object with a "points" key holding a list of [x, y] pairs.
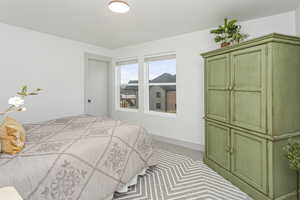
{"points": [[118, 6]]}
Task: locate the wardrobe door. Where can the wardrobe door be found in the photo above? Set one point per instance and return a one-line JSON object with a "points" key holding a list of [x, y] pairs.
{"points": [[248, 88], [216, 84], [249, 159], [218, 144]]}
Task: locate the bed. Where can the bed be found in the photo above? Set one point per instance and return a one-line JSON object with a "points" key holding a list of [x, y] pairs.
{"points": [[81, 157]]}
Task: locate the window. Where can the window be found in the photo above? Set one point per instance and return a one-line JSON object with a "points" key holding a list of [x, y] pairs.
{"points": [[158, 106], [128, 84], [157, 94], [161, 83]]}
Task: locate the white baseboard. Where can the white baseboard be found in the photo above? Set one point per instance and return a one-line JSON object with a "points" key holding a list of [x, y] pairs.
{"points": [[188, 145]]}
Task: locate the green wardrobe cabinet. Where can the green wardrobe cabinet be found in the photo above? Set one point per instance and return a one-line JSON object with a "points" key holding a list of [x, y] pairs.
{"points": [[252, 108]]}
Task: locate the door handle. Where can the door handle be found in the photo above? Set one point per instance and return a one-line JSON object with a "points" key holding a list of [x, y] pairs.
{"points": [[231, 87], [231, 150], [89, 101], [227, 148], [227, 87]]}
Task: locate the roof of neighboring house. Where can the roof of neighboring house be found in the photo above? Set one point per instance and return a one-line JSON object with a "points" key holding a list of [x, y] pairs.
{"points": [[164, 78], [129, 90]]}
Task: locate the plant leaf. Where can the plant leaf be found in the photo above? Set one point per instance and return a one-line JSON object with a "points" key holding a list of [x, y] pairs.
{"points": [[24, 88], [21, 93], [232, 22], [225, 22]]}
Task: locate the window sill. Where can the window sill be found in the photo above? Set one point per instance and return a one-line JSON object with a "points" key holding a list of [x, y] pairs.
{"points": [[127, 110], [162, 114]]}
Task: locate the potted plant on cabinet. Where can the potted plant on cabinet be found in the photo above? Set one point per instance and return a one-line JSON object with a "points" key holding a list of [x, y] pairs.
{"points": [[292, 150], [229, 33]]}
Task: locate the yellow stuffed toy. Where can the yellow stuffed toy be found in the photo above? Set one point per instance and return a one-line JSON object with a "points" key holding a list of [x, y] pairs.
{"points": [[12, 133], [12, 136]]}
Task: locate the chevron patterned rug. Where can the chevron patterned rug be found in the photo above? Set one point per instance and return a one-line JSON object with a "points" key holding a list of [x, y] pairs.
{"points": [[178, 177]]}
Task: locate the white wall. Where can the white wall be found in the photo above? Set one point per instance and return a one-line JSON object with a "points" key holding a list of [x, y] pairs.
{"points": [[57, 65], [188, 126], [297, 15], [49, 62]]}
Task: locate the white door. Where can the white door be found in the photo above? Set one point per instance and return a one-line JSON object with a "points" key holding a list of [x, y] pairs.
{"points": [[96, 88]]}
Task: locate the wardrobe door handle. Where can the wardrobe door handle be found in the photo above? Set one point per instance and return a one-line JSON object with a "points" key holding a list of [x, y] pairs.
{"points": [[227, 149], [233, 86], [228, 87], [231, 150]]}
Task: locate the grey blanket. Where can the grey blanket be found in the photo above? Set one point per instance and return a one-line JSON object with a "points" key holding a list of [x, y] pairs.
{"points": [[80, 157]]}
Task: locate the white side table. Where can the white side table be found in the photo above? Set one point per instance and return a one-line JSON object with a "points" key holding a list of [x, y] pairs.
{"points": [[9, 193]]}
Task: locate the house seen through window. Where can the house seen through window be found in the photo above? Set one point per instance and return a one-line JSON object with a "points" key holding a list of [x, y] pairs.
{"points": [[162, 83], [128, 84]]}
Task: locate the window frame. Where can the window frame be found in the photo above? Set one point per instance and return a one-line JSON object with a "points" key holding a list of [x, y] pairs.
{"points": [[118, 65], [146, 86]]}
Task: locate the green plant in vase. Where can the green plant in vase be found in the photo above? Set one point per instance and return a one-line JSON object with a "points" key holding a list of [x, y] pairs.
{"points": [[229, 33], [292, 150]]}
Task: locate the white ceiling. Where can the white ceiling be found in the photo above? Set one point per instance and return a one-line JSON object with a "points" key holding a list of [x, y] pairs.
{"points": [[90, 20]]}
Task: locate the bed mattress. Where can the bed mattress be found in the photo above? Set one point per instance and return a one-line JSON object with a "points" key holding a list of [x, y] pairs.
{"points": [[81, 157]]}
